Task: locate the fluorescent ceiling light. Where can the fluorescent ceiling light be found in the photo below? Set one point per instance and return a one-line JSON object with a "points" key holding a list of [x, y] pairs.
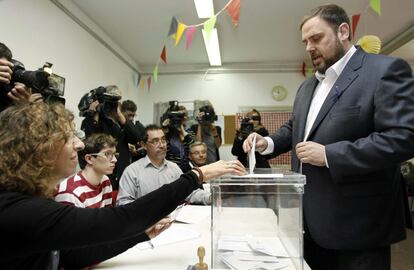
{"points": [[212, 47], [204, 8]]}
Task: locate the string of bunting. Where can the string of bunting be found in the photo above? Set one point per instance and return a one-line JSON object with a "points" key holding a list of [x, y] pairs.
{"points": [[176, 31], [369, 43]]}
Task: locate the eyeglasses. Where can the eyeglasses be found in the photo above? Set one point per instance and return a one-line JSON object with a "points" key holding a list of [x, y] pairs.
{"points": [[203, 152], [157, 141], [108, 155]]}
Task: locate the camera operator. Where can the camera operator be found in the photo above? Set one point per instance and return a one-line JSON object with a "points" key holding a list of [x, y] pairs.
{"points": [[251, 123], [206, 132], [178, 139], [129, 110], [101, 109], [19, 93]]}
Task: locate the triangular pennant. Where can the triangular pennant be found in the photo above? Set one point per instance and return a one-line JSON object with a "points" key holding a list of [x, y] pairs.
{"points": [[355, 20], [376, 6], [189, 35], [139, 78], [155, 73], [180, 31], [149, 82], [303, 69], [173, 26], [163, 55], [210, 23], [234, 11], [142, 84], [310, 72]]}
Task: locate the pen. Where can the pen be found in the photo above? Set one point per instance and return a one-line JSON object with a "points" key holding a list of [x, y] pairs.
{"points": [[151, 244]]}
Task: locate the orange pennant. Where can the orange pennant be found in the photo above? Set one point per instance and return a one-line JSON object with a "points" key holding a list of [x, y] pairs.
{"points": [[149, 82], [234, 11], [164, 55]]}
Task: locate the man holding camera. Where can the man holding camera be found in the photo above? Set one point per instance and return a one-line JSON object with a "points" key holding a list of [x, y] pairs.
{"points": [[178, 139], [208, 133], [101, 108], [19, 92], [251, 123]]}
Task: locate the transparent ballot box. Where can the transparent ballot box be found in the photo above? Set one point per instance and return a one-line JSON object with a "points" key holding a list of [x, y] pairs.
{"points": [[256, 221]]}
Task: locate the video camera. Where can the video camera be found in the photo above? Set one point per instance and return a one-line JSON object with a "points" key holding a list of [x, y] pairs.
{"points": [[108, 100], [42, 81], [174, 114], [246, 127], [209, 115]]}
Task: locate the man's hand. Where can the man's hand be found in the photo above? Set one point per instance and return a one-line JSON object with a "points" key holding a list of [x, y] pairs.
{"points": [[20, 93], [5, 71], [158, 227], [261, 143], [311, 152]]}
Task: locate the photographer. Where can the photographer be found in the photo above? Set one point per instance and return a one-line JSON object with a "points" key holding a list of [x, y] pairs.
{"points": [[206, 132], [251, 123], [101, 108], [178, 139], [19, 92], [129, 110]]}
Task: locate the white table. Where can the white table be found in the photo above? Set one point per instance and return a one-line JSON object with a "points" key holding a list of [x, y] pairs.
{"points": [[174, 256]]}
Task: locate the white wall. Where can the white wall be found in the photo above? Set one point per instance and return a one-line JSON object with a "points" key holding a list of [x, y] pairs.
{"points": [[37, 31]]}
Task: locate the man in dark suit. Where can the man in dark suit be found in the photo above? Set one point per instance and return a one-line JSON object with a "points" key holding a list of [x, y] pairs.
{"points": [[352, 124]]}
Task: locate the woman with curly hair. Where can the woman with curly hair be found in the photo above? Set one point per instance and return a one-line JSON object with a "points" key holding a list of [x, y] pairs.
{"points": [[38, 147]]}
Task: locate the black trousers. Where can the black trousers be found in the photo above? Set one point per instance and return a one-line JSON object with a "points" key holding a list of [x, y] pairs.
{"points": [[319, 258]]}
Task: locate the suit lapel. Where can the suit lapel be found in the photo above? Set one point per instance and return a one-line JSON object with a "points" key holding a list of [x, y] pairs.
{"points": [[347, 76], [302, 114]]}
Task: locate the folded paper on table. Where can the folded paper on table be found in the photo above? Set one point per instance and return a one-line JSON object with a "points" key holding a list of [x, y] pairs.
{"points": [[193, 214]]}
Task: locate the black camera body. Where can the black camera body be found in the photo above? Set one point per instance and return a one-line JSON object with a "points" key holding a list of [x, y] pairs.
{"points": [[246, 127], [50, 86], [107, 101], [209, 115], [174, 114]]}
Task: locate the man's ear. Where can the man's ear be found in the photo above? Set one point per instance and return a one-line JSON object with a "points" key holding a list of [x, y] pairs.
{"points": [[88, 159], [343, 31]]}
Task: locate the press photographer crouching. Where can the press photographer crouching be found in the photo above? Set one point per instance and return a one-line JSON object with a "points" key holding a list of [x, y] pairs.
{"points": [[17, 83], [250, 123], [178, 139], [101, 109], [208, 133]]}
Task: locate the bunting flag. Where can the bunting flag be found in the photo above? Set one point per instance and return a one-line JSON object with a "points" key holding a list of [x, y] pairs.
{"points": [[180, 31], [163, 55], [138, 78], [376, 6], [233, 9], [210, 23], [189, 35], [355, 20], [370, 44], [155, 73], [303, 69], [173, 27], [142, 84], [149, 82], [310, 72]]}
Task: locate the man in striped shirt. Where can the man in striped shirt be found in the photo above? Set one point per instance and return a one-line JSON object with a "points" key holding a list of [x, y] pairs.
{"points": [[90, 187]]}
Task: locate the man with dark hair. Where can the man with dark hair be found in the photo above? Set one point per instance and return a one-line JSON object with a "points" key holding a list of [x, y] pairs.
{"points": [[90, 187], [351, 127], [153, 171], [19, 93], [129, 110]]}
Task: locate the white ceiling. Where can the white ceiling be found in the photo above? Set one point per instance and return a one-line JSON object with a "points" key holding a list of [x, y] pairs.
{"points": [[267, 36]]}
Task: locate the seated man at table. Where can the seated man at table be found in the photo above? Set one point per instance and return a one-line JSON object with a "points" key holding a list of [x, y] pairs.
{"points": [[153, 171], [197, 154]]}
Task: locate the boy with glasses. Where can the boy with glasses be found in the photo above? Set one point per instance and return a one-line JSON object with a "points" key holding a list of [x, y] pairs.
{"points": [[91, 188]]}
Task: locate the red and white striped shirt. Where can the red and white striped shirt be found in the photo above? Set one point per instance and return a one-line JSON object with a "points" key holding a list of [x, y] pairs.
{"points": [[78, 192]]}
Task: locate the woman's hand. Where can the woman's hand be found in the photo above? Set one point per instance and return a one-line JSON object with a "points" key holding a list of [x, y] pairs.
{"points": [[222, 167], [158, 227]]}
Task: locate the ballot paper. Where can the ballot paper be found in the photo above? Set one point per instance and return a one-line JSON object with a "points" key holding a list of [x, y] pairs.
{"points": [[235, 261], [193, 213], [176, 233], [252, 156], [271, 246]]}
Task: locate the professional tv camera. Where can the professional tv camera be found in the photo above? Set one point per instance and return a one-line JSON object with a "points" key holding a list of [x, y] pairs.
{"points": [[108, 100], [42, 81], [209, 115], [174, 114]]}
